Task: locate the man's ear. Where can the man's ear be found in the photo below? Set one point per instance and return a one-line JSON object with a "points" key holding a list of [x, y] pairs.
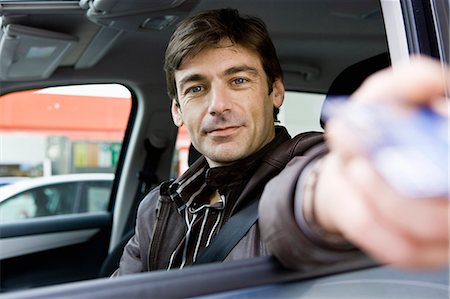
{"points": [[278, 93], [176, 113]]}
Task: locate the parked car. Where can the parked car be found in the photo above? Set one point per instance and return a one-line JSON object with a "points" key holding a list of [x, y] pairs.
{"points": [[6, 180], [325, 47], [55, 195]]}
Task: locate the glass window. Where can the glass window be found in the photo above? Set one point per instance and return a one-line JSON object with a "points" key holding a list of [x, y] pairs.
{"points": [[55, 200], [96, 196], [39, 202], [59, 133], [20, 206], [300, 112]]}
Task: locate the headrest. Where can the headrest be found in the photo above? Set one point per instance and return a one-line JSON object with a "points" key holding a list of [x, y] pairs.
{"points": [[353, 76]]}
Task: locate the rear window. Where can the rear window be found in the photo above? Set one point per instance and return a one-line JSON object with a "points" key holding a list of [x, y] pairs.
{"points": [[300, 112]]}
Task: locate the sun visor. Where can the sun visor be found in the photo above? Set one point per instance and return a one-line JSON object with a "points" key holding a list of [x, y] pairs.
{"points": [[133, 15], [28, 53]]}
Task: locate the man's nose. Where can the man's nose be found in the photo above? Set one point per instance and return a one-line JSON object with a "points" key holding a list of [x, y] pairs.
{"points": [[219, 100]]}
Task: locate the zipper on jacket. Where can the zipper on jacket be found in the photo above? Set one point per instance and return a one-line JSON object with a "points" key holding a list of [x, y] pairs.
{"points": [[160, 226]]}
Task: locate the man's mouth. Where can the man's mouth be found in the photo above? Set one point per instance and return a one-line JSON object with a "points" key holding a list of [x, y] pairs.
{"points": [[222, 132]]}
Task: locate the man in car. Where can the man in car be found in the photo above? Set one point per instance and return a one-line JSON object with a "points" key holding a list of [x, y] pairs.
{"points": [[226, 86]]}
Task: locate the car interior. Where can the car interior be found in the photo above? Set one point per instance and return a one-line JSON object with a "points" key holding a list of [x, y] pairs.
{"points": [[326, 48]]}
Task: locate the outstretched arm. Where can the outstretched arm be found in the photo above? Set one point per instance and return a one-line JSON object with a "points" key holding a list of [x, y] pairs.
{"points": [[337, 207], [353, 200]]}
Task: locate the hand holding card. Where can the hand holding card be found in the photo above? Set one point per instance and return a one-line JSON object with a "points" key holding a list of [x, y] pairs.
{"points": [[410, 149]]}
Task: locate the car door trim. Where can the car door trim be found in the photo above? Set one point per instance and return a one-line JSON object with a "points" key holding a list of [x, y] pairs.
{"points": [[18, 246], [54, 224], [395, 30]]}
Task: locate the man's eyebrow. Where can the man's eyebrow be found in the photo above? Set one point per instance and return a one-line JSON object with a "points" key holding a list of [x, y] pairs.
{"points": [[241, 68], [190, 78]]}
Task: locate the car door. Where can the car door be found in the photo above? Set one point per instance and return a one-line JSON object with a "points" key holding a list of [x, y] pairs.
{"points": [[65, 233]]}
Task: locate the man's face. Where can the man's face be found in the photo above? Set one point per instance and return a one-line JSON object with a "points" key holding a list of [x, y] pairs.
{"points": [[224, 103]]}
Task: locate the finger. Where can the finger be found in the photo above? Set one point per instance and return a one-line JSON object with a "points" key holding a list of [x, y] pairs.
{"points": [[342, 140], [389, 247], [441, 106], [343, 204], [378, 239], [421, 220], [356, 220], [428, 256]]}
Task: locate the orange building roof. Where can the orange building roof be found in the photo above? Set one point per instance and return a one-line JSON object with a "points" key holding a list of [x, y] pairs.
{"points": [[75, 116]]}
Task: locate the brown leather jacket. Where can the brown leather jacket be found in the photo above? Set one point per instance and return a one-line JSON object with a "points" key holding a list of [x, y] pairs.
{"points": [[159, 227], [293, 242]]}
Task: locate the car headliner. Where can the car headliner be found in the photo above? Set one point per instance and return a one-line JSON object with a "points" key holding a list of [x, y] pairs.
{"points": [[303, 39]]}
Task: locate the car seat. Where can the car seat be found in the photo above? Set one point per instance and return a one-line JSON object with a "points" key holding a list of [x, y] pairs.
{"points": [[353, 76]]}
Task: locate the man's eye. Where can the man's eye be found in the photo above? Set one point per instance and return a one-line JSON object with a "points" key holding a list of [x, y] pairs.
{"points": [[195, 89], [239, 81]]}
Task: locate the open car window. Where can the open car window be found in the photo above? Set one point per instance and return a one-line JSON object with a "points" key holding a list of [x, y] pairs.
{"points": [[63, 145]]}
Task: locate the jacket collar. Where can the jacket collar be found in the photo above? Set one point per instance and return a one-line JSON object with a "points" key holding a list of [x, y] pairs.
{"points": [[199, 181]]}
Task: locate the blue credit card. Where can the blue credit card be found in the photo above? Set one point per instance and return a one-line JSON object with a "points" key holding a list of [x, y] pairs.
{"points": [[410, 149]]}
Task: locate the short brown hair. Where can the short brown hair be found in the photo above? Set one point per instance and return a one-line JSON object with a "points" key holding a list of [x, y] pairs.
{"points": [[208, 29]]}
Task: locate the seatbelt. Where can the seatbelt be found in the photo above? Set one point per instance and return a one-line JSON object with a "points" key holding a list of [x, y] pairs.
{"points": [[147, 179], [147, 176], [230, 234]]}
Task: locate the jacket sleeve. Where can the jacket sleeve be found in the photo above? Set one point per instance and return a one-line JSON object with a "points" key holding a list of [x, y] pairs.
{"points": [[135, 254], [294, 244]]}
